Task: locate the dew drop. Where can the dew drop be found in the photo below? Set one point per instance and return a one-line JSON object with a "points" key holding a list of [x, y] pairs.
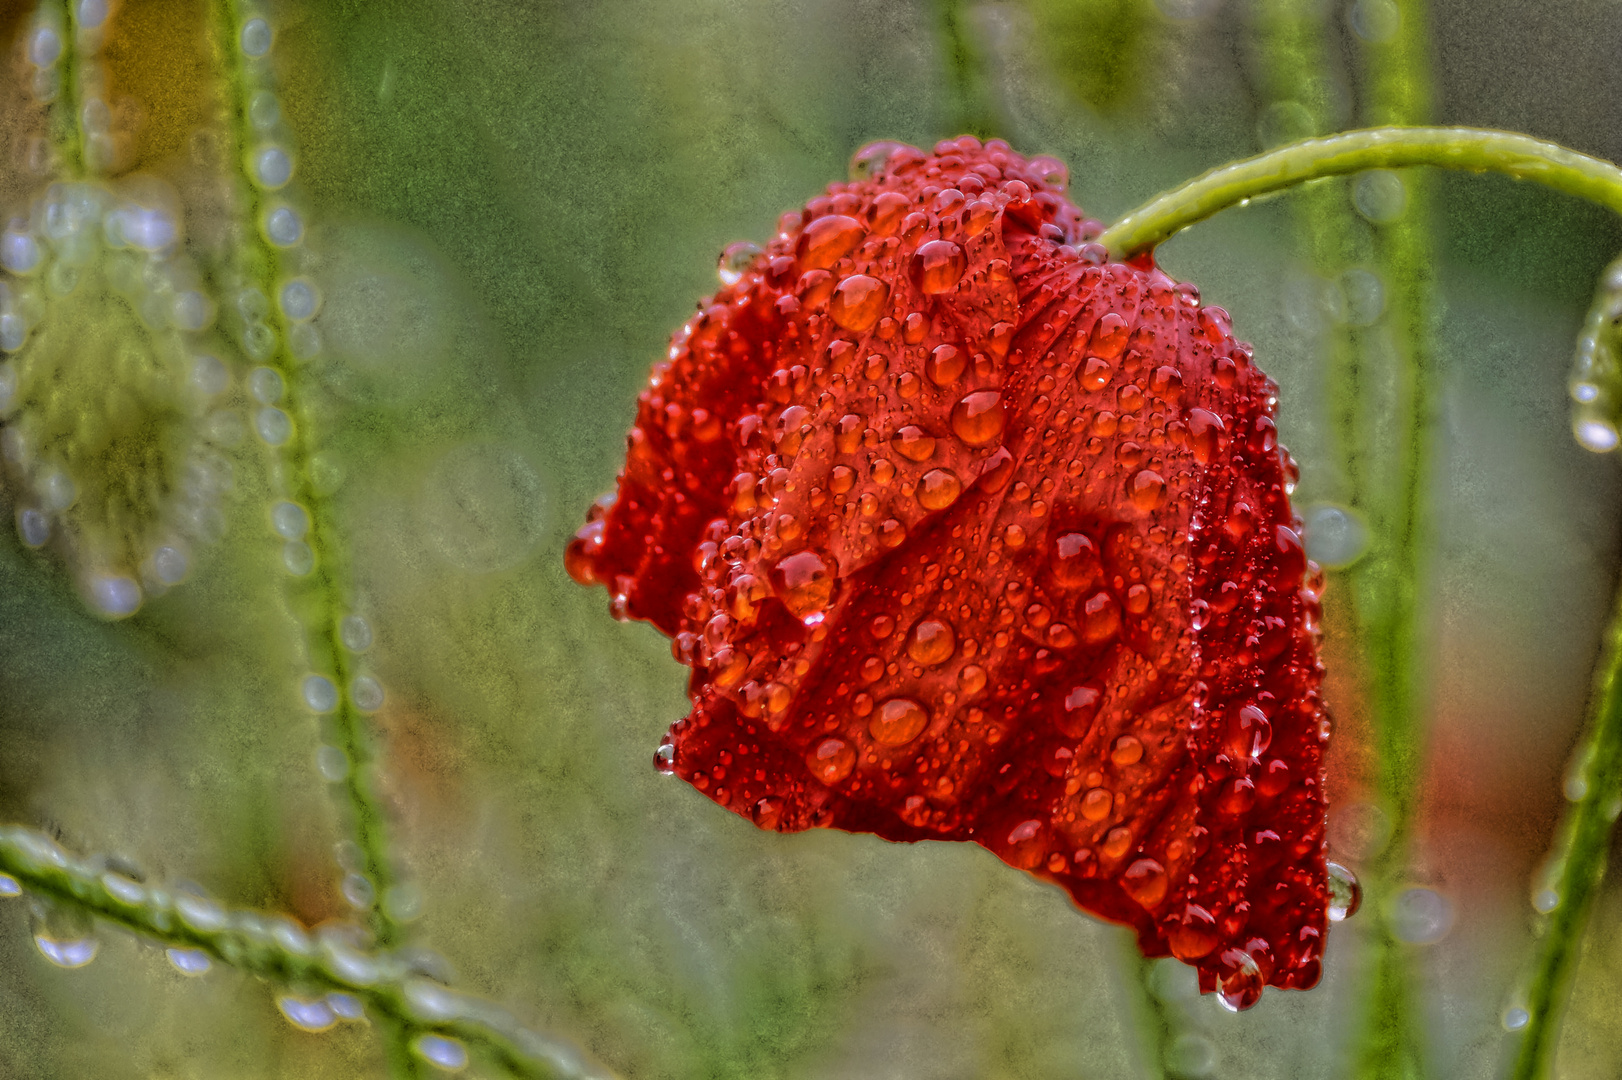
{"points": [[1096, 804], [1375, 21], [272, 167], [827, 240], [978, 418], [805, 584], [1516, 1018], [1335, 536], [298, 558], [256, 37], [1146, 489], [1345, 893], [735, 260], [448, 1054], [356, 633], [67, 953], [44, 47], [664, 758], [1127, 750], [913, 443], [170, 564], [1380, 196], [290, 520], [857, 302], [19, 252], [10, 886], [273, 426], [938, 266], [898, 722], [971, 680], [367, 693], [283, 226], [938, 489], [1194, 935], [1101, 618], [869, 161], [189, 961], [299, 300], [1109, 336], [945, 365], [1145, 882], [1595, 433], [831, 761], [33, 527], [319, 694], [1420, 916], [1240, 987], [931, 642], [345, 1006], [113, 595], [307, 1015], [332, 763]]}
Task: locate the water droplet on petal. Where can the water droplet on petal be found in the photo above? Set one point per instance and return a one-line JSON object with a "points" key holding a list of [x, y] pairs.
{"points": [[913, 443], [938, 266], [827, 240], [735, 259], [805, 584], [1241, 986], [938, 489], [945, 365], [898, 721], [1146, 490], [857, 302], [931, 642], [978, 419], [869, 161], [1145, 882], [831, 760]]}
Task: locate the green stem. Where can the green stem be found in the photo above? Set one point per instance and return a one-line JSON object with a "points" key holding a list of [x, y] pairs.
{"points": [[278, 949], [1388, 584], [1470, 149], [972, 109], [321, 600], [1577, 863]]}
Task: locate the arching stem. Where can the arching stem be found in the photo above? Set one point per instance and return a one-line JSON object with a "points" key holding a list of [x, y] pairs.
{"points": [[1469, 149]]}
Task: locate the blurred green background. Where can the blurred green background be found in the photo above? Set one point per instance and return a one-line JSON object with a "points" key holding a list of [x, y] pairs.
{"points": [[511, 207]]}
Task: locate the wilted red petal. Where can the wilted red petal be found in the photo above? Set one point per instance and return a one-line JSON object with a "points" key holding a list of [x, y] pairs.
{"points": [[968, 534]]}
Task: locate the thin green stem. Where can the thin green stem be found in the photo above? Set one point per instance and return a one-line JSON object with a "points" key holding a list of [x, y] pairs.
{"points": [[972, 107], [1389, 583], [1577, 863], [276, 948], [321, 599], [1155, 1023], [1470, 149]]}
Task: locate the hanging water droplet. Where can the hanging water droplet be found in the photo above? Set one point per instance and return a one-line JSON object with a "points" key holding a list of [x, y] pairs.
{"points": [[113, 595], [1592, 431], [1516, 1018], [272, 167], [274, 426], [448, 1054], [367, 693], [283, 226], [1345, 893], [10, 886], [189, 961], [64, 935], [290, 520], [664, 758], [307, 1015], [1335, 536]]}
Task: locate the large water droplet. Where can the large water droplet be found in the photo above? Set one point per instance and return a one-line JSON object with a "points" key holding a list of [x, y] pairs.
{"points": [[931, 642], [827, 240], [1241, 986], [1345, 893], [1335, 536], [938, 266], [857, 303], [898, 722], [978, 419], [831, 760], [70, 953], [804, 582], [938, 489]]}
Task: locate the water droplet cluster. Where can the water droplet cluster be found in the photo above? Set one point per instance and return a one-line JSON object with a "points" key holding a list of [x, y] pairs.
{"points": [[1595, 382], [969, 533]]}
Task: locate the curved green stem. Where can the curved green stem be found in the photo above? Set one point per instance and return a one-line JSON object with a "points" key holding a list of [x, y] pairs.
{"points": [[1469, 149], [1577, 863], [276, 948]]}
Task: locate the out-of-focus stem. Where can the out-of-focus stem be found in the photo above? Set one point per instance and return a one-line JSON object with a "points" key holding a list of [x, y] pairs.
{"points": [[322, 602], [1389, 582], [972, 108], [278, 949]]}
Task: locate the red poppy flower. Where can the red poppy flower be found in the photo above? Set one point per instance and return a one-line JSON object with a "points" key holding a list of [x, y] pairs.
{"points": [[969, 534]]}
